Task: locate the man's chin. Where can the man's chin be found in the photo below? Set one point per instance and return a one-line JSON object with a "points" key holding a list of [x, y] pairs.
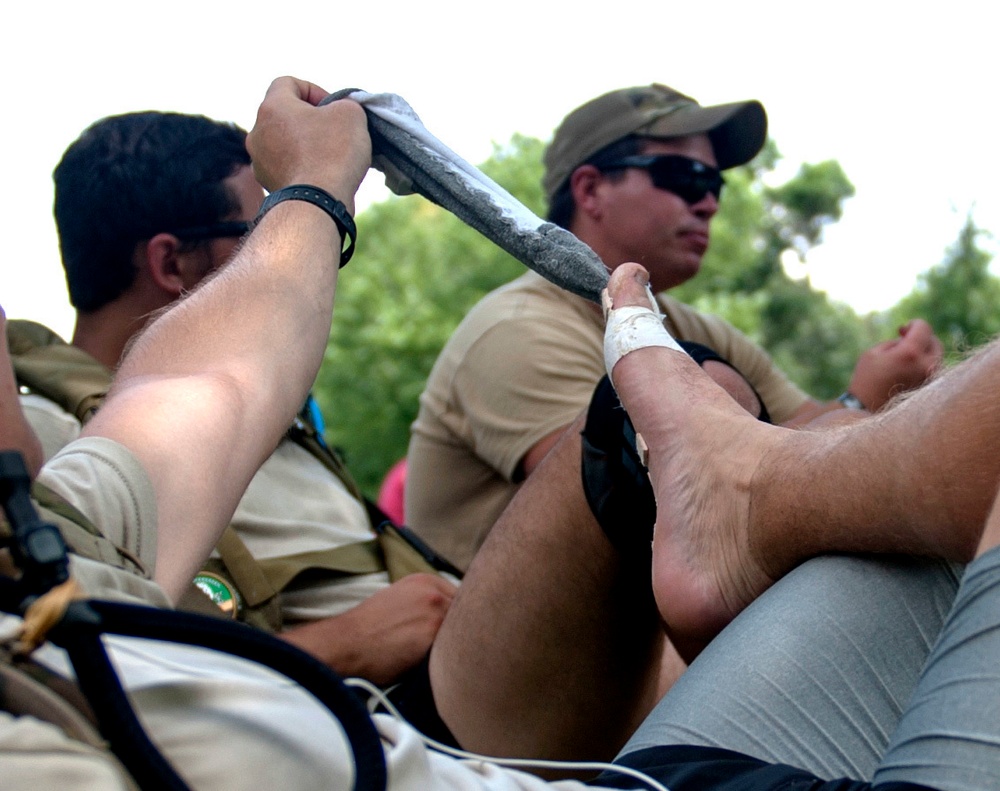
{"points": [[677, 274]]}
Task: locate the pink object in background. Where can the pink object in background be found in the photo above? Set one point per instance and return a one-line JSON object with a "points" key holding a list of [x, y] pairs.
{"points": [[390, 494]]}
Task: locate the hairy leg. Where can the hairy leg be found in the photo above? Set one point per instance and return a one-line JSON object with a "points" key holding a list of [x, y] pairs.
{"points": [[570, 625], [739, 503], [552, 646]]}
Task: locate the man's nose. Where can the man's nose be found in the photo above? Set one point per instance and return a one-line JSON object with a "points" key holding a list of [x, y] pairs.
{"points": [[707, 207]]}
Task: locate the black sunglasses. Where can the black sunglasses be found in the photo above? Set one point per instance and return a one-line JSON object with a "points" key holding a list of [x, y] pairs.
{"points": [[217, 230], [686, 178]]}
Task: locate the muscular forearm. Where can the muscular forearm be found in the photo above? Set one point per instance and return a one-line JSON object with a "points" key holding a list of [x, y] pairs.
{"points": [[222, 373]]}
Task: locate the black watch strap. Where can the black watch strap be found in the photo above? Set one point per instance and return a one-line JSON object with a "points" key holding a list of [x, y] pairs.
{"points": [[318, 197]]}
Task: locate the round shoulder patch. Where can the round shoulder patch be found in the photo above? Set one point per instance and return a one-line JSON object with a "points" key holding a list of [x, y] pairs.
{"points": [[221, 592]]}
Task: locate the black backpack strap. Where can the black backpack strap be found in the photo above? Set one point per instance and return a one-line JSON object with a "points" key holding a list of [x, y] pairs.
{"points": [[45, 364], [42, 558]]}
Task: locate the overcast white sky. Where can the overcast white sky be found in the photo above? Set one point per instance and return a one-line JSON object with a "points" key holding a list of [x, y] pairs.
{"points": [[902, 97]]}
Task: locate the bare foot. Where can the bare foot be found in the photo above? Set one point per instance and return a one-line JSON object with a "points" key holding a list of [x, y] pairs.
{"points": [[704, 450]]}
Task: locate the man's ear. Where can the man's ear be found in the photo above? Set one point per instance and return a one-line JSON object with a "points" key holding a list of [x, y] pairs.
{"points": [[164, 262], [583, 184]]}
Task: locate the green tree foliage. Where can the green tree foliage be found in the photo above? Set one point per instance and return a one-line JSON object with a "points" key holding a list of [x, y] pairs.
{"points": [[418, 271], [959, 296], [816, 342]]}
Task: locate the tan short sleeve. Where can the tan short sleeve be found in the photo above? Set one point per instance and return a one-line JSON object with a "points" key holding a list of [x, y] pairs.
{"points": [[53, 425], [521, 365], [106, 482], [521, 381]]}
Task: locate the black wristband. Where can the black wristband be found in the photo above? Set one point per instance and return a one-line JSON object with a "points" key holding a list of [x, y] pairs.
{"points": [[317, 197]]}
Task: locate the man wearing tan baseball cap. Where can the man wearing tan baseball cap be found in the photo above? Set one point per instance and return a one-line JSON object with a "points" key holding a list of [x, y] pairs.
{"points": [[737, 131], [636, 174]]}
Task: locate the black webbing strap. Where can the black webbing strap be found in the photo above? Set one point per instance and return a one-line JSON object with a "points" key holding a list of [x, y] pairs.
{"points": [[79, 633], [43, 561]]}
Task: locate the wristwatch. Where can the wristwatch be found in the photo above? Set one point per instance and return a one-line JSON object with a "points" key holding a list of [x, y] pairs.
{"points": [[851, 401]]}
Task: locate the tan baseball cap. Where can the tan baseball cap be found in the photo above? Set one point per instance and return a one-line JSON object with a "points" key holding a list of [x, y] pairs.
{"points": [[737, 130]]}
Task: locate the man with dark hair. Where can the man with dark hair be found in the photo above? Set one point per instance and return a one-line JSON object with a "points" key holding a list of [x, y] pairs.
{"points": [[224, 370], [130, 177], [636, 174], [147, 206]]}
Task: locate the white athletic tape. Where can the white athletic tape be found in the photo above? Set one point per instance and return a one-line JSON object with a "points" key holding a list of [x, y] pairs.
{"points": [[631, 328]]}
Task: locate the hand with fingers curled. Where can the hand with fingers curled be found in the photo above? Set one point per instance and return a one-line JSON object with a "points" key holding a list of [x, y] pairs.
{"points": [[896, 366], [294, 141], [384, 636]]}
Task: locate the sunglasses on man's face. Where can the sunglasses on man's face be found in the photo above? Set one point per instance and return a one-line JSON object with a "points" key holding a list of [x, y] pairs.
{"points": [[216, 230], [687, 178]]}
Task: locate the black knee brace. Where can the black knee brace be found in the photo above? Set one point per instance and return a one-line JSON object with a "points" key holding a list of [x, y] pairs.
{"points": [[701, 354], [615, 481]]}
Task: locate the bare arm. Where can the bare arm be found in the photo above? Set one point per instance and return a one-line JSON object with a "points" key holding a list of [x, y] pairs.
{"points": [[893, 367], [884, 371], [15, 433], [203, 396]]}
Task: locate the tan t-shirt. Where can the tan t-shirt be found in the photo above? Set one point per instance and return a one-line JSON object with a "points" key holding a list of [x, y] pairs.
{"points": [[104, 481], [293, 505], [523, 363]]}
